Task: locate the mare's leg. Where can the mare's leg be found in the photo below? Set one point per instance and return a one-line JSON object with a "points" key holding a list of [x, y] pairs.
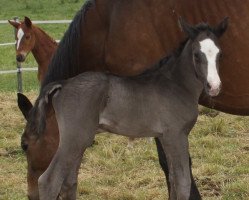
{"points": [[176, 146], [194, 193]]}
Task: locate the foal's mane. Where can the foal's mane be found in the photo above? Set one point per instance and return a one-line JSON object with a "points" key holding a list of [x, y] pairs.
{"points": [[45, 34], [65, 62]]}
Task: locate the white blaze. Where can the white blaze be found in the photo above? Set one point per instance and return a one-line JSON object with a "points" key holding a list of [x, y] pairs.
{"points": [[211, 51], [20, 35]]}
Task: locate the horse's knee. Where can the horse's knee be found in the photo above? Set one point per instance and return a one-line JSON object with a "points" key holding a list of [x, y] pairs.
{"points": [[183, 190], [68, 191], [49, 187], [42, 182], [43, 187]]}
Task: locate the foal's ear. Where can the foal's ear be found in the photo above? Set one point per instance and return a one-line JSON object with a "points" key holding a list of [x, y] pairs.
{"points": [[27, 22], [221, 28], [191, 31], [24, 104], [14, 23]]}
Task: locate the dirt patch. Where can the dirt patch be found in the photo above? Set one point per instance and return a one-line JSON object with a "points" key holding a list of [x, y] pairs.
{"points": [[3, 152], [246, 148], [210, 188]]}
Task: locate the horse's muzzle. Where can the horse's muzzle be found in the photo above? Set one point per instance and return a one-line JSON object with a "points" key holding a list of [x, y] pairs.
{"points": [[214, 91], [20, 58]]}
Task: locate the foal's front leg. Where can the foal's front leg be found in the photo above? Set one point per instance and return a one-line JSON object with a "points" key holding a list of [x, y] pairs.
{"points": [[194, 193], [69, 186], [63, 170], [176, 146]]}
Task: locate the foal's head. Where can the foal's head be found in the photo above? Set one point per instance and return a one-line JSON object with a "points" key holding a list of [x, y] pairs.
{"points": [[25, 38], [206, 53]]}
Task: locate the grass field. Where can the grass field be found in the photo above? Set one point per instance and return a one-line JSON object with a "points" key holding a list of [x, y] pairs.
{"points": [[110, 171]]}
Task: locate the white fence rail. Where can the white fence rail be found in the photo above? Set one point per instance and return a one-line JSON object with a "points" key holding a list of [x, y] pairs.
{"points": [[16, 70], [8, 44]]}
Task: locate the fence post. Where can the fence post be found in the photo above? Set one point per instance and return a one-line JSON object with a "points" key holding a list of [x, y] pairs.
{"points": [[18, 65]]}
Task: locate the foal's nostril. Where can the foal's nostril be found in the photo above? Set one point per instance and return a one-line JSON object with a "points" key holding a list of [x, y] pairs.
{"points": [[220, 86], [208, 86], [20, 58]]}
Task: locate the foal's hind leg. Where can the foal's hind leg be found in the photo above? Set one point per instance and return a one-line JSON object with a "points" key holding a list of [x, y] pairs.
{"points": [[176, 146], [194, 193]]}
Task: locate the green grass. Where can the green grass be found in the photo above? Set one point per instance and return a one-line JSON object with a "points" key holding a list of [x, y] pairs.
{"points": [[8, 82], [39, 9]]}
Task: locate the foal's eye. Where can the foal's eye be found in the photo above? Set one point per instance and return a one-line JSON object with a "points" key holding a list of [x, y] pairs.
{"points": [[197, 57], [220, 55], [27, 37], [24, 145]]}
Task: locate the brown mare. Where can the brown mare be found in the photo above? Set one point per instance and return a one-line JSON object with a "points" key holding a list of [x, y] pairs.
{"points": [[31, 38], [127, 37]]}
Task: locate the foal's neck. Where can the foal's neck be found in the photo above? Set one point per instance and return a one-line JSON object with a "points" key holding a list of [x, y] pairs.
{"points": [[44, 47], [184, 72]]}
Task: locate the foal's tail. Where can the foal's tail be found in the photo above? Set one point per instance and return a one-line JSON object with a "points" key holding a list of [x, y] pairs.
{"points": [[43, 102]]}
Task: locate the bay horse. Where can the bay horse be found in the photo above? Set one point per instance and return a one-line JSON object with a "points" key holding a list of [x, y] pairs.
{"points": [[166, 96], [31, 38], [112, 36]]}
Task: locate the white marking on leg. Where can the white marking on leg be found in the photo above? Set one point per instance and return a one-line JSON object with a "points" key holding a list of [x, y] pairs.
{"points": [[211, 51], [20, 35]]}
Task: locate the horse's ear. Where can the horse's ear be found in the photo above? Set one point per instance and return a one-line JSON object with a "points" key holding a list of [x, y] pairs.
{"points": [[221, 28], [191, 31], [24, 104], [27, 22], [14, 23]]}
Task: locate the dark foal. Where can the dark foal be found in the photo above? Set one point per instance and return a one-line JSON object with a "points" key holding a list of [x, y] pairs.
{"points": [[166, 96]]}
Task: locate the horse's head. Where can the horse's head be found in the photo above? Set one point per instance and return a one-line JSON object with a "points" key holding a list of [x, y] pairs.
{"points": [[25, 38], [206, 53], [39, 149]]}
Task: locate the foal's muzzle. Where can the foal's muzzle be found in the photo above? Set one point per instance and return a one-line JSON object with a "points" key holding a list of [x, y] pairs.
{"points": [[214, 90], [20, 58]]}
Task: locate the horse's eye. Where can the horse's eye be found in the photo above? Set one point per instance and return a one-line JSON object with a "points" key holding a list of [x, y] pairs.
{"points": [[24, 146], [197, 57], [220, 55], [27, 37]]}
